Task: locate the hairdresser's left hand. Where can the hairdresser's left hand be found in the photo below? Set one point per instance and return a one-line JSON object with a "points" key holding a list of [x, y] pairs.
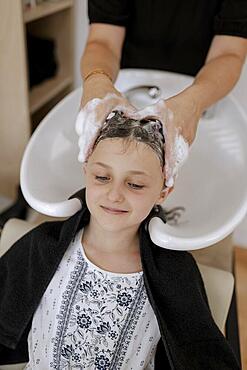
{"points": [[179, 116], [185, 116]]}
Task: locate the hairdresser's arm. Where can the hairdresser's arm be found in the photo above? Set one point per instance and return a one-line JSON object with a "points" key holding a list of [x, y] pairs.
{"points": [[103, 52], [216, 79]]}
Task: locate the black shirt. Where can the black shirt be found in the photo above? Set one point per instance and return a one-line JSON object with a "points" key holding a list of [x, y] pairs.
{"points": [[171, 35]]}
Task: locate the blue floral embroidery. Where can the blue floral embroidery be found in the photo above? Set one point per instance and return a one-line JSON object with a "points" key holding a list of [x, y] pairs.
{"points": [[124, 299], [129, 327], [113, 334], [102, 362], [97, 317], [86, 286], [67, 351], [103, 328], [84, 321], [61, 349]]}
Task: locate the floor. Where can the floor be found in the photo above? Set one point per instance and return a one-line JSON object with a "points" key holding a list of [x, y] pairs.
{"points": [[240, 234]]}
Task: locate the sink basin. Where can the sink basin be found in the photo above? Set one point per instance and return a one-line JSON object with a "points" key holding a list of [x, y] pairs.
{"points": [[211, 185]]}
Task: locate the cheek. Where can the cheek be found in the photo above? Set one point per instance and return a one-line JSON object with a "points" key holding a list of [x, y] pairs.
{"points": [[146, 203], [142, 206], [95, 193], [92, 193]]}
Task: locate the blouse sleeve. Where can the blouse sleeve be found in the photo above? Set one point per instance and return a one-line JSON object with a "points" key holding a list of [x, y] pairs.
{"points": [[232, 18], [114, 12]]}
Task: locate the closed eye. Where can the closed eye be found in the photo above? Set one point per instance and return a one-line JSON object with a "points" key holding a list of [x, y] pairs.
{"points": [[135, 186], [102, 178]]}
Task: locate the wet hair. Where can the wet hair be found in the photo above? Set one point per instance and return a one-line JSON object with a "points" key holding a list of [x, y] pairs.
{"points": [[147, 131], [150, 132]]}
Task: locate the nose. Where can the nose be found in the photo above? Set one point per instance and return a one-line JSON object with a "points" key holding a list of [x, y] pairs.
{"points": [[115, 193]]}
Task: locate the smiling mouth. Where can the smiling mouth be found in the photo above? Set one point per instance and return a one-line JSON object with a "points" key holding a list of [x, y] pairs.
{"points": [[114, 211]]}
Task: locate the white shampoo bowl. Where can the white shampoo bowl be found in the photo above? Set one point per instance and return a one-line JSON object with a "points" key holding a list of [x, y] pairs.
{"points": [[211, 185]]}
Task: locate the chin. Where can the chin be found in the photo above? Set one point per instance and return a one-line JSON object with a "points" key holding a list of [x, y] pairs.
{"points": [[114, 224]]}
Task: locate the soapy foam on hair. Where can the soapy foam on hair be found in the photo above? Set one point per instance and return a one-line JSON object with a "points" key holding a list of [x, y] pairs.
{"points": [[148, 132], [89, 121], [181, 151], [88, 126], [176, 149]]}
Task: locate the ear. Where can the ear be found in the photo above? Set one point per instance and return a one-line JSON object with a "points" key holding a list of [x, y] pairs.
{"points": [[163, 195]]}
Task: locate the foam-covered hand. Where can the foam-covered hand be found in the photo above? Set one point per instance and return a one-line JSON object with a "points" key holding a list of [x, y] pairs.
{"points": [[92, 116], [180, 120]]}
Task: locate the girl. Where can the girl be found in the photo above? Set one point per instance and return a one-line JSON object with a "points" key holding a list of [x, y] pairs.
{"points": [[97, 293]]}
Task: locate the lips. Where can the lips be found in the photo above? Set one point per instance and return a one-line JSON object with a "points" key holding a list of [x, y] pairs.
{"points": [[114, 211]]}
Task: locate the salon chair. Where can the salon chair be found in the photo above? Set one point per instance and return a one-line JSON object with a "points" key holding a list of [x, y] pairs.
{"points": [[218, 283]]}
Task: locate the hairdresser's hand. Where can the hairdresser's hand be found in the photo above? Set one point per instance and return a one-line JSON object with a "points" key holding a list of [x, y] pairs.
{"points": [[185, 115], [99, 99], [180, 120]]}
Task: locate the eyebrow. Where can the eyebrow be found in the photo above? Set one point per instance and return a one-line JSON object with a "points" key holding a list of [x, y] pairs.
{"points": [[133, 172]]}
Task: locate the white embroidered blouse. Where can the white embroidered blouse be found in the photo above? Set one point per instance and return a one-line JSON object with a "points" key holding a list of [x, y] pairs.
{"points": [[92, 319]]}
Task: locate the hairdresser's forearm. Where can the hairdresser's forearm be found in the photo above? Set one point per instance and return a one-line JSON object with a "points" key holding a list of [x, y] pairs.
{"points": [[98, 55], [215, 80]]}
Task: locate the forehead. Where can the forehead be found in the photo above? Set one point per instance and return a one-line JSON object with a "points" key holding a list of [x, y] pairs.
{"points": [[127, 155]]}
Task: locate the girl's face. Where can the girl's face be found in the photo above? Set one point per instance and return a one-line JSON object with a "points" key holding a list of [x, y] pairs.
{"points": [[123, 183]]}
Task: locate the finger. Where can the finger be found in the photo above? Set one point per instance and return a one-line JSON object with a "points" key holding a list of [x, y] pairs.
{"points": [[86, 141], [89, 128], [157, 110], [91, 118], [176, 153], [126, 109], [82, 116], [88, 124], [119, 102]]}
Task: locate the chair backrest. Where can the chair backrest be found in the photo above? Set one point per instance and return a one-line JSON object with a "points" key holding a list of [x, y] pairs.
{"points": [[13, 367], [13, 230], [219, 286]]}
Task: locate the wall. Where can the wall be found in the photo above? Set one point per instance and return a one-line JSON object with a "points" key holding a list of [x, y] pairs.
{"points": [[81, 32]]}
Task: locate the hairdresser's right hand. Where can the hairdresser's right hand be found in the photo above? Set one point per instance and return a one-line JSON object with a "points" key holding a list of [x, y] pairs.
{"points": [[99, 99]]}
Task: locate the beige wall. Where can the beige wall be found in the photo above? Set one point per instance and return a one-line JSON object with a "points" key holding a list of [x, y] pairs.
{"points": [[81, 32], [14, 120]]}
